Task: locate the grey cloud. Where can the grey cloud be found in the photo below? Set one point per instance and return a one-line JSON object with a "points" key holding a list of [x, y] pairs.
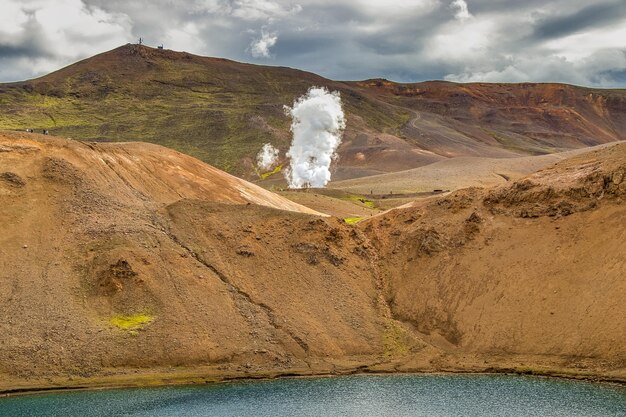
{"points": [[30, 43], [393, 44], [587, 17], [344, 40], [614, 76], [511, 6], [8, 51], [406, 35], [298, 44]]}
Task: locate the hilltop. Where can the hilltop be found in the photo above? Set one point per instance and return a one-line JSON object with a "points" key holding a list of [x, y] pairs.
{"points": [[222, 111], [129, 263]]}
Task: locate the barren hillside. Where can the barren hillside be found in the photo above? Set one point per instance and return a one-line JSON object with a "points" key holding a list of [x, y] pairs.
{"points": [[132, 264], [533, 268], [455, 173]]}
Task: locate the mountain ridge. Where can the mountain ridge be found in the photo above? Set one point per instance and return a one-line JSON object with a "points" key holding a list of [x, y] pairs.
{"points": [[222, 112]]}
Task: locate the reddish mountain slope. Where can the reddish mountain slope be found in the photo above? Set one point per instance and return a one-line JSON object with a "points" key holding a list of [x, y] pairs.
{"points": [[525, 117]]}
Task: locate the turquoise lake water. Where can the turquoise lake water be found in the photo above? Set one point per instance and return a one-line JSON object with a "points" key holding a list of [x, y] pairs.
{"points": [[397, 395]]}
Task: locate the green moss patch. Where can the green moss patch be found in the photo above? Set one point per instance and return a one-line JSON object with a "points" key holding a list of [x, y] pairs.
{"points": [[352, 220]]}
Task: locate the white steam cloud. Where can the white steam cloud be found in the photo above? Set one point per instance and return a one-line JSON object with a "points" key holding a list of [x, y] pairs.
{"points": [[317, 126], [266, 158]]}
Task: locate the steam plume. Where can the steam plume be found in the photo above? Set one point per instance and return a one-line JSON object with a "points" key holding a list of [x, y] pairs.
{"points": [[317, 126], [266, 157]]}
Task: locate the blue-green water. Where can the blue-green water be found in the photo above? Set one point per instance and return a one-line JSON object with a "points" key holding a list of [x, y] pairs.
{"points": [[401, 395]]}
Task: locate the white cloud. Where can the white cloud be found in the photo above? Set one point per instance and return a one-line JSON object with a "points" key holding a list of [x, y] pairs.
{"points": [[462, 12], [462, 42], [588, 71], [12, 19], [489, 50], [187, 37], [73, 28], [407, 40], [260, 47], [249, 10], [580, 45], [398, 8], [53, 33], [262, 9]]}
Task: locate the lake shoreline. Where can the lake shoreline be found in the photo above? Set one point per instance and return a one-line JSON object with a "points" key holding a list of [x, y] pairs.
{"points": [[152, 381]]}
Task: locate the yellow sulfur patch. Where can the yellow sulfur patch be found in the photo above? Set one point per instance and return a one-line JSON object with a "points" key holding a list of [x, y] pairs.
{"points": [[267, 174], [133, 322], [360, 199]]}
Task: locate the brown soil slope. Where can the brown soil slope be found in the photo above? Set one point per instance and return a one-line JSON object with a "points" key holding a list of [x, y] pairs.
{"points": [[132, 171], [210, 286], [95, 232], [536, 267]]}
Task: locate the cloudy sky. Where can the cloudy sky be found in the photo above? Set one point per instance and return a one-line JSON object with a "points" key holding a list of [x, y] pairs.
{"points": [[573, 41]]}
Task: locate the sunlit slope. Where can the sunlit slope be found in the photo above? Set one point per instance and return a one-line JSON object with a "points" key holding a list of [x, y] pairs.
{"points": [[134, 264]]}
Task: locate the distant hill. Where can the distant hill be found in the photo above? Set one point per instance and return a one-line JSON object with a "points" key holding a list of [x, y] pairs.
{"points": [[524, 118], [222, 111], [455, 173]]}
